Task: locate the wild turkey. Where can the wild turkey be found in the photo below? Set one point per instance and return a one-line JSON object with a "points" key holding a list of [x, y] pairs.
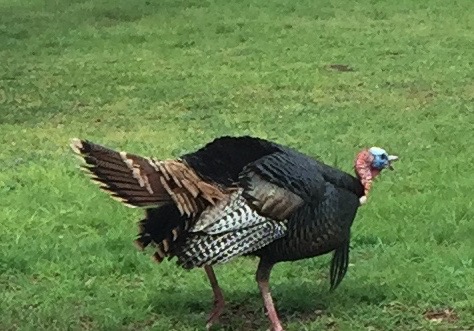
{"points": [[239, 196]]}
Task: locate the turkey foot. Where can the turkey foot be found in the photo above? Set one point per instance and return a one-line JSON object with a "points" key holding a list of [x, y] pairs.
{"points": [[219, 302], [263, 275]]}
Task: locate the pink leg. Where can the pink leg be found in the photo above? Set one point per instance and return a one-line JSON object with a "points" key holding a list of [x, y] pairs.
{"points": [[263, 275], [218, 298]]}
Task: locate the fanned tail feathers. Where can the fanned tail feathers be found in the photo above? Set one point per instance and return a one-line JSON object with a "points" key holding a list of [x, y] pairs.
{"points": [[144, 182]]}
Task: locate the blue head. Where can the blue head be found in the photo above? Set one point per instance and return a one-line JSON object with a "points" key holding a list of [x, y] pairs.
{"points": [[382, 159]]}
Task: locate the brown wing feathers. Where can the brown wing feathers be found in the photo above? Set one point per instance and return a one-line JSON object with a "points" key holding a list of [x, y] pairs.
{"points": [[142, 182], [268, 199]]}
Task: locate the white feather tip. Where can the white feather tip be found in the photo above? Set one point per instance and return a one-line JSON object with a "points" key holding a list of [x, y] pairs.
{"points": [[76, 145]]}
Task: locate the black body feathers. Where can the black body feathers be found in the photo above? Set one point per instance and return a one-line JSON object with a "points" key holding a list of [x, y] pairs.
{"points": [[235, 196]]}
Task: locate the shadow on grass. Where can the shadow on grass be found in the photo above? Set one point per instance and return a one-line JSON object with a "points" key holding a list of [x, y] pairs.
{"points": [[244, 310]]}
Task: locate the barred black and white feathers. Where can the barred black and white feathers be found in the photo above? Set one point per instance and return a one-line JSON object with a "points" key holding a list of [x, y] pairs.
{"points": [[235, 196], [229, 229]]}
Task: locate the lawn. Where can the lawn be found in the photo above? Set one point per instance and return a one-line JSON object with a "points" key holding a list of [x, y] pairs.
{"points": [[163, 77]]}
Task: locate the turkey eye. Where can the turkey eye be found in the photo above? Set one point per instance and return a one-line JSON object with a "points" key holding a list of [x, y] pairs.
{"points": [[383, 157]]}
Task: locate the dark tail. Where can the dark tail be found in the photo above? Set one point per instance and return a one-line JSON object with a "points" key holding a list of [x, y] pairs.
{"points": [[143, 182], [163, 228], [131, 179]]}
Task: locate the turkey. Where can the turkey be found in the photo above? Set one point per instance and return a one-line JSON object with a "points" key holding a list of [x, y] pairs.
{"points": [[238, 196]]}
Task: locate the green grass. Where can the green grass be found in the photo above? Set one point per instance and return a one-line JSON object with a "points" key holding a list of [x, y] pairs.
{"points": [[163, 77]]}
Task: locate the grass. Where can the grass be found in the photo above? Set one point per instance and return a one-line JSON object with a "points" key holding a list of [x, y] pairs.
{"points": [[163, 77]]}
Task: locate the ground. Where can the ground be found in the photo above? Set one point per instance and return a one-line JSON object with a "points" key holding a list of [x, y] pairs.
{"points": [[163, 77]]}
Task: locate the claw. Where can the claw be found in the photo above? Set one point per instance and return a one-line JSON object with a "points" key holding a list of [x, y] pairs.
{"points": [[216, 312]]}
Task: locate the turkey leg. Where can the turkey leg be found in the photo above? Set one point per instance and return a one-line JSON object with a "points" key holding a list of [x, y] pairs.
{"points": [[218, 298], [263, 276]]}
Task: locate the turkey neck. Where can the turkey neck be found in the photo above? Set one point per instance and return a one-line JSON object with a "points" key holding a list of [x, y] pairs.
{"points": [[364, 170]]}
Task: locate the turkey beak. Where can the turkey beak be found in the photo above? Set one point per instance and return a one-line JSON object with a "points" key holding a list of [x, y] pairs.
{"points": [[391, 158]]}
